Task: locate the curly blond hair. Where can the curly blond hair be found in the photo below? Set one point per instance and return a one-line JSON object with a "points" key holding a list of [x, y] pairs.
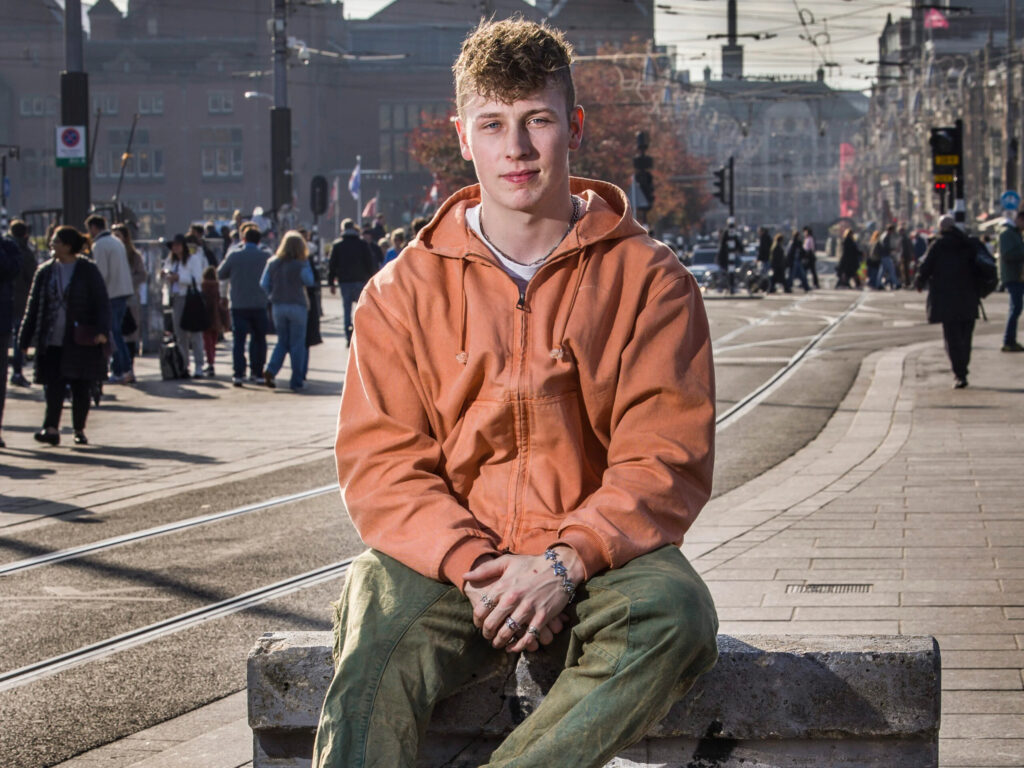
{"points": [[511, 59]]}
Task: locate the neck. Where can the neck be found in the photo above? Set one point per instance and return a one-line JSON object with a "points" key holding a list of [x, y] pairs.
{"points": [[66, 258], [526, 237]]}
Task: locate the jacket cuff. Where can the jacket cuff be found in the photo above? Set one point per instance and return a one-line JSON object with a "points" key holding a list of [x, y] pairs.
{"points": [[461, 557], [588, 547]]}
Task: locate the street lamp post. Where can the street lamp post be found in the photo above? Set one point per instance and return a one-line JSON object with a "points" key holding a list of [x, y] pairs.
{"points": [[280, 114]]}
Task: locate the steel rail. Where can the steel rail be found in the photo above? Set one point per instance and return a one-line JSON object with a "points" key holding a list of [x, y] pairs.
{"points": [[40, 669], [127, 538], [751, 400]]}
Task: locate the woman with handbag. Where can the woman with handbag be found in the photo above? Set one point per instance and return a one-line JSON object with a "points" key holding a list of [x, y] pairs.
{"points": [[183, 271], [67, 320], [285, 279]]}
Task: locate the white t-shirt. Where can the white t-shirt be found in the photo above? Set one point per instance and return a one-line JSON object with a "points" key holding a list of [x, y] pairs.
{"points": [[521, 273]]}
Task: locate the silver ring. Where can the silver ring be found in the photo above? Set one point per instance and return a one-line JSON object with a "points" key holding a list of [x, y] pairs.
{"points": [[487, 601], [533, 631], [512, 624]]}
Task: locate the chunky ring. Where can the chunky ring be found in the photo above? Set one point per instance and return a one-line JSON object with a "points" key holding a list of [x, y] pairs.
{"points": [[487, 601], [512, 624], [533, 631]]}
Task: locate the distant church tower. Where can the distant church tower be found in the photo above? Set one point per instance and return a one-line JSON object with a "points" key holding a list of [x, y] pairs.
{"points": [[732, 53]]}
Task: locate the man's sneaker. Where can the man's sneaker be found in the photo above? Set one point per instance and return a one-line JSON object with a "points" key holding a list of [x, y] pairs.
{"points": [[1014, 347], [115, 378], [237, 380], [959, 383], [19, 380], [128, 378], [268, 379], [255, 379], [208, 371]]}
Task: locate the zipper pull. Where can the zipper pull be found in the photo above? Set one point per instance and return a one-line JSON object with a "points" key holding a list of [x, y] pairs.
{"points": [[521, 304]]}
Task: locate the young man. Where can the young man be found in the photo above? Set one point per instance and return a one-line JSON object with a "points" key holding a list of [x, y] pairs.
{"points": [[526, 433], [112, 260], [1011, 275], [242, 268]]}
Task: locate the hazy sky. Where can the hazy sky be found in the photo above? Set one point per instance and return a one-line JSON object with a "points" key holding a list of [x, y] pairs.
{"points": [[808, 33]]}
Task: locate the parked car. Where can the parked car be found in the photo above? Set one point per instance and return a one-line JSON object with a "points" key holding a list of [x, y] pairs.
{"points": [[702, 263]]}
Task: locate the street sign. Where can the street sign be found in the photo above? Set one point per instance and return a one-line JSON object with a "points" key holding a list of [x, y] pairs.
{"points": [[947, 159], [946, 178], [70, 146], [1010, 200]]}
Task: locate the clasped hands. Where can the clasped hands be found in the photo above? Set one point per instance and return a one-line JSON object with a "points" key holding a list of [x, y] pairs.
{"points": [[522, 588]]}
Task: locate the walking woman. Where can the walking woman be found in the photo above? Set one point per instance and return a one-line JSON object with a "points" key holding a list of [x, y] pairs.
{"points": [[849, 262], [137, 266], [67, 320], [777, 254], [285, 279], [181, 270]]}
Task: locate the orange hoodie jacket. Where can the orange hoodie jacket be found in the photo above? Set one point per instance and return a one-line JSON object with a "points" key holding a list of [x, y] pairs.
{"points": [[477, 421]]}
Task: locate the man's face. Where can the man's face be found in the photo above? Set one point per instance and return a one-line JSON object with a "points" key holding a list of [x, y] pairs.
{"points": [[521, 150]]}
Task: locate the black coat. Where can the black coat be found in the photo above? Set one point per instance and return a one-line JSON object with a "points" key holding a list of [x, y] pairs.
{"points": [[88, 304], [947, 269], [351, 260], [849, 259]]}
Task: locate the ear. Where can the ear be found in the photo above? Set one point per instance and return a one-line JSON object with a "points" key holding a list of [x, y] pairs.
{"points": [[576, 127], [460, 129]]}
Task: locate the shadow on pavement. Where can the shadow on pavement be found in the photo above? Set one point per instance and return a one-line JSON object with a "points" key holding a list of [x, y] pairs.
{"points": [[143, 452], [31, 505]]}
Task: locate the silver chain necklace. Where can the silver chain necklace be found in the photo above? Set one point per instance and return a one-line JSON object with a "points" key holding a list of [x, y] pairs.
{"points": [[576, 211]]}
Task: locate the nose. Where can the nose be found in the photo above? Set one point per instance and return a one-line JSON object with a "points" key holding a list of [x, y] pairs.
{"points": [[517, 142]]}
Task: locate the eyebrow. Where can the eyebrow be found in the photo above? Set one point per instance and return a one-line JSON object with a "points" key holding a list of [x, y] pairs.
{"points": [[530, 113]]}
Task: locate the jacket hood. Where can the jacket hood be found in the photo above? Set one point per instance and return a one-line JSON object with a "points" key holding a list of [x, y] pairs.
{"points": [[608, 217]]}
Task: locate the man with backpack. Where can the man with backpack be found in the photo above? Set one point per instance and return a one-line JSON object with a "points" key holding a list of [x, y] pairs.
{"points": [[948, 271], [1011, 274]]}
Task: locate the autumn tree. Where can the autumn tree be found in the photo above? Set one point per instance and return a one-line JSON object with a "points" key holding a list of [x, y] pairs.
{"points": [[621, 93]]}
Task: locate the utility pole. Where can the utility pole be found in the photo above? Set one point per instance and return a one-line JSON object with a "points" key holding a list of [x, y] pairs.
{"points": [[280, 114], [74, 111], [1010, 143]]}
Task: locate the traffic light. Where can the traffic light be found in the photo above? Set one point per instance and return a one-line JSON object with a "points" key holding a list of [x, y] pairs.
{"points": [[947, 155], [940, 187], [721, 191]]}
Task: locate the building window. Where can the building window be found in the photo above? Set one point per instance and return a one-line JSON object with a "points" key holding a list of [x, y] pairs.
{"points": [[33, 106], [105, 103], [151, 103], [221, 153], [220, 102]]}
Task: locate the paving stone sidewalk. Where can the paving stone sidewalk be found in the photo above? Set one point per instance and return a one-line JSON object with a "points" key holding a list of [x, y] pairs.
{"points": [[903, 516], [165, 437]]}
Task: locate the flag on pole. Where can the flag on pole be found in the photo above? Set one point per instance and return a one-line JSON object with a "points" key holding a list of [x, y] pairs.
{"points": [[371, 207], [934, 19], [354, 179]]}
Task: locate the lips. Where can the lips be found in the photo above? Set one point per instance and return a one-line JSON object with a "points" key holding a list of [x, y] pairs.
{"points": [[519, 177]]}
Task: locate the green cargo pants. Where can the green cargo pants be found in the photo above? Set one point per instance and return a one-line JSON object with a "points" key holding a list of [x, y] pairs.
{"points": [[640, 637]]}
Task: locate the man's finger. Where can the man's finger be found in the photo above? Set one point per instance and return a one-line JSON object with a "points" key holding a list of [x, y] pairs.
{"points": [[489, 569]]}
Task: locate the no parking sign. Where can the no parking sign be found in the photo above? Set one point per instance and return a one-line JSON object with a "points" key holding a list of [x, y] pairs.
{"points": [[70, 146]]}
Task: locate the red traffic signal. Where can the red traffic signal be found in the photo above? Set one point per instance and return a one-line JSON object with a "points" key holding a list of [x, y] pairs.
{"points": [[940, 186]]}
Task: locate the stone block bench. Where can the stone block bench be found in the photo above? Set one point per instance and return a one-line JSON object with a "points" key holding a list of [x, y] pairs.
{"points": [[773, 701]]}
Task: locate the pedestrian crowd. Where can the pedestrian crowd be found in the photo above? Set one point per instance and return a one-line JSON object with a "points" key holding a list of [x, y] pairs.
{"points": [[77, 312]]}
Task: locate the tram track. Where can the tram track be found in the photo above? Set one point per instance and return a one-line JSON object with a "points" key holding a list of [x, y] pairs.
{"points": [[53, 665]]}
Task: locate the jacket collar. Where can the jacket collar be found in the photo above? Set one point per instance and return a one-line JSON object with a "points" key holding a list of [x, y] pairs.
{"points": [[608, 217]]}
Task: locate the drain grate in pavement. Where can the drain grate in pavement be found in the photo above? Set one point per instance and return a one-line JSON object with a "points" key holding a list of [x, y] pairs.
{"points": [[826, 589]]}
